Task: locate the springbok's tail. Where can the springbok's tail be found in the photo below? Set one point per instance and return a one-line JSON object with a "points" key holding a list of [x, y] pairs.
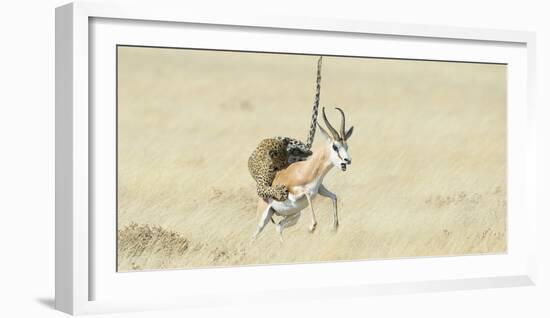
{"points": [[313, 125]]}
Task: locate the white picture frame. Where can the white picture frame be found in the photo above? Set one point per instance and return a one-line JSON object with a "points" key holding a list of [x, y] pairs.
{"points": [[78, 290]]}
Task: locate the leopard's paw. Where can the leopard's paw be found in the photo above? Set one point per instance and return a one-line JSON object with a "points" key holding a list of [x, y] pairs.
{"points": [[281, 193]]}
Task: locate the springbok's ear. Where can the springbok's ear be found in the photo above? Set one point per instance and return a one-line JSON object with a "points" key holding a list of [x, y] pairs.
{"points": [[348, 133], [324, 132]]}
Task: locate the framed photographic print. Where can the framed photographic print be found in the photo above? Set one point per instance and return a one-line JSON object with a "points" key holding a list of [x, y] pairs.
{"points": [[207, 160]]}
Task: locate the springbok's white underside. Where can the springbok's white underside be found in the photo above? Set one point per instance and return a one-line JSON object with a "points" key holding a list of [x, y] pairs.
{"points": [[296, 202]]}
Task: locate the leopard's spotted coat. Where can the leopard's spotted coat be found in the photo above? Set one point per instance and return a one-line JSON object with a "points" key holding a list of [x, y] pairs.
{"points": [[269, 157]]}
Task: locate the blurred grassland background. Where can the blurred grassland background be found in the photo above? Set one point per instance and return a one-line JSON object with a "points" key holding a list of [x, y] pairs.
{"points": [[429, 157]]}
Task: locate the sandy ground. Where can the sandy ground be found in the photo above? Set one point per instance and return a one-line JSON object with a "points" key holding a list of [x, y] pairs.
{"points": [[429, 157]]}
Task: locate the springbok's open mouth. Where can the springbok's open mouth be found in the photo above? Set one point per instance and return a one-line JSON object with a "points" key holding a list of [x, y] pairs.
{"points": [[343, 166]]}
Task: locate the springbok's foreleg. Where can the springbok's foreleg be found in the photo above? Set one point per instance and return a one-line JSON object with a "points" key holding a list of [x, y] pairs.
{"points": [[288, 221], [326, 193], [313, 224], [264, 219]]}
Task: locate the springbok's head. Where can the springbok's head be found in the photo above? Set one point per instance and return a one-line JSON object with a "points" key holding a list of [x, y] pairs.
{"points": [[337, 141]]}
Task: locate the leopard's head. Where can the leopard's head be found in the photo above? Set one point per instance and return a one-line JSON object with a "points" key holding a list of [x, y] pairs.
{"points": [[279, 156]]}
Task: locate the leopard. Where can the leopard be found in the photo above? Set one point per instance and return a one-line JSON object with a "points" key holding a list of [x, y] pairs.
{"points": [[275, 154], [270, 156]]}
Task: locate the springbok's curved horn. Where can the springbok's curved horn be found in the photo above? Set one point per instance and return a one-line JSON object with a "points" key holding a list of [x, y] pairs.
{"points": [[329, 126], [343, 125]]}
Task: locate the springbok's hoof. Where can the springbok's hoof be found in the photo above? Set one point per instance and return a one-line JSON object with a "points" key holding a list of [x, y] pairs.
{"points": [[312, 227]]}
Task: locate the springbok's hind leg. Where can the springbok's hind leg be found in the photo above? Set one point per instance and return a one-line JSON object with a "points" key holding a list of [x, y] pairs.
{"points": [[326, 193], [264, 219], [287, 221]]}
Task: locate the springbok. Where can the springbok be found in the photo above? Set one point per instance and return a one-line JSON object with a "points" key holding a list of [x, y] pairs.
{"points": [[304, 179]]}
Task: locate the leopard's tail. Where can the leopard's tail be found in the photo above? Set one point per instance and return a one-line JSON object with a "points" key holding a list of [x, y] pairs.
{"points": [[313, 125]]}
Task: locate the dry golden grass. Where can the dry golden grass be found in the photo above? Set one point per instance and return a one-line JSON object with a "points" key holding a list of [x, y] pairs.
{"points": [[429, 157]]}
